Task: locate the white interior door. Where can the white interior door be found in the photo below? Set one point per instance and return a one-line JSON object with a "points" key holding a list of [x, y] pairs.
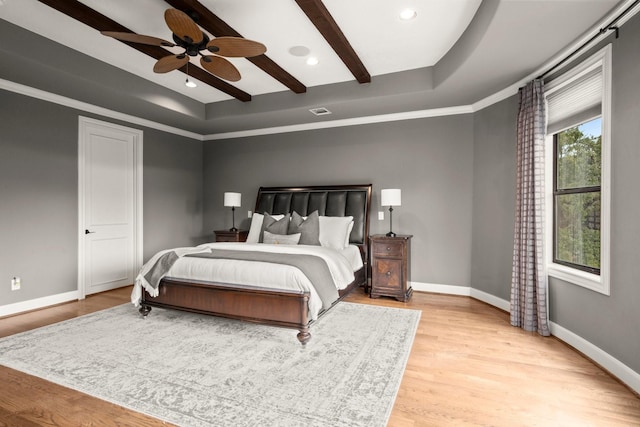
{"points": [[109, 182]]}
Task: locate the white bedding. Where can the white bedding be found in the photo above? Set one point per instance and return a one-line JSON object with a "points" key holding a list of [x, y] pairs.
{"points": [[342, 265]]}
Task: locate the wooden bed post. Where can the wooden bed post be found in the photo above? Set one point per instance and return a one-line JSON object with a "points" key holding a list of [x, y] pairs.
{"points": [[304, 336], [144, 310]]}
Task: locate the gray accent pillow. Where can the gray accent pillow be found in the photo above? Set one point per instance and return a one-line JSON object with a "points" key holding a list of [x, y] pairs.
{"points": [[309, 228], [281, 239], [274, 226]]}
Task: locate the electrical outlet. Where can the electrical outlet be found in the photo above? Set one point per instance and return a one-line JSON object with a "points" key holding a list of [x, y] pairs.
{"points": [[249, 214], [380, 215], [15, 284]]}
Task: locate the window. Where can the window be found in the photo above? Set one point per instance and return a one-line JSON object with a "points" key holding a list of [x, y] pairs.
{"points": [[578, 147], [576, 196]]}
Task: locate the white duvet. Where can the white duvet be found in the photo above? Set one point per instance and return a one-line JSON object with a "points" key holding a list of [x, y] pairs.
{"points": [[342, 265]]}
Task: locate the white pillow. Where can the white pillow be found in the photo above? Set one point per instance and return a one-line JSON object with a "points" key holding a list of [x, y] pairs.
{"points": [[348, 235], [256, 226], [334, 231], [254, 229], [281, 239]]}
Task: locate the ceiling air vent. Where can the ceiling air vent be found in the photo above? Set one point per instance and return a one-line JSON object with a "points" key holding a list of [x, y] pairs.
{"points": [[320, 111]]}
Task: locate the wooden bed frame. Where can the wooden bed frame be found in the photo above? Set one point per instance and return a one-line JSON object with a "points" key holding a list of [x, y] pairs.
{"points": [[259, 305]]}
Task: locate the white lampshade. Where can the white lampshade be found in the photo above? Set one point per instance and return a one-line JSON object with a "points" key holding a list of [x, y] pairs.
{"points": [[232, 199], [391, 197]]}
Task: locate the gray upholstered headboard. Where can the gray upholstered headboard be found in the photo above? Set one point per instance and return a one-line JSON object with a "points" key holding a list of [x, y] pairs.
{"points": [[334, 200]]}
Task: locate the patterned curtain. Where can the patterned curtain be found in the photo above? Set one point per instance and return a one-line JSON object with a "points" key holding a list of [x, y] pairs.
{"points": [[529, 279]]}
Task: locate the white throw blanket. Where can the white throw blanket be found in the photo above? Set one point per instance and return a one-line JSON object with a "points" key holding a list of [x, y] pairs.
{"points": [[141, 281]]}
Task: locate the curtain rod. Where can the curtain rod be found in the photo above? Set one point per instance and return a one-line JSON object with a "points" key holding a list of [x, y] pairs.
{"points": [[609, 27]]}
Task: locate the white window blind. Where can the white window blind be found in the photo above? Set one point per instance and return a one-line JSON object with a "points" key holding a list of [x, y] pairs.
{"points": [[575, 101]]}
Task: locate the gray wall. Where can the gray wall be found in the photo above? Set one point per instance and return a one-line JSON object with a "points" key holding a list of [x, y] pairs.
{"points": [[609, 322], [494, 177], [39, 195], [38, 198], [430, 159], [173, 182]]}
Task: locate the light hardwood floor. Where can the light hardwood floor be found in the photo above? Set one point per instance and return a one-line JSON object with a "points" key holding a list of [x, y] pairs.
{"points": [[468, 366]]}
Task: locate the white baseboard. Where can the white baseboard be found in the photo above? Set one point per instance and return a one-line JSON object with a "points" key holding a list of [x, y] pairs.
{"points": [[441, 289], [618, 369], [462, 290], [604, 359], [34, 304], [491, 299]]}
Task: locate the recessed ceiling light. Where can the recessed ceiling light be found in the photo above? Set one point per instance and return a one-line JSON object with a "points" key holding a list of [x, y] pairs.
{"points": [[299, 51], [408, 14], [312, 60], [190, 83]]}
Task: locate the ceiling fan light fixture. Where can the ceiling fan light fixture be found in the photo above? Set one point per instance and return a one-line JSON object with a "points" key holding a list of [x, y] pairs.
{"points": [[408, 14]]}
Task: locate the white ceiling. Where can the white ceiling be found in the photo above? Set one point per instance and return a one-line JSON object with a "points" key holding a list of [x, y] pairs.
{"points": [[455, 52]]}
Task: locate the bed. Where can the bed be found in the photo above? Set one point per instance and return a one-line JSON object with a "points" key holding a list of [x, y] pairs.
{"points": [[241, 293]]}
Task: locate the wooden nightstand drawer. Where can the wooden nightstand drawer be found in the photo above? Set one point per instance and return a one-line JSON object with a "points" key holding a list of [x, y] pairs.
{"points": [[231, 236], [388, 248], [388, 273]]}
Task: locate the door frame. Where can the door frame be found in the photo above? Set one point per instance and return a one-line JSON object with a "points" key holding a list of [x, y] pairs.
{"points": [[83, 124]]}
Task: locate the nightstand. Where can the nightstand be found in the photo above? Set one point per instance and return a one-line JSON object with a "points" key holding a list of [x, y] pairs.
{"points": [[231, 236], [390, 266]]}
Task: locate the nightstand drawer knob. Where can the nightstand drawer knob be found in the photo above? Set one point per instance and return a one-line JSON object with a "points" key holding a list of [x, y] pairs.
{"points": [[388, 273], [388, 248]]}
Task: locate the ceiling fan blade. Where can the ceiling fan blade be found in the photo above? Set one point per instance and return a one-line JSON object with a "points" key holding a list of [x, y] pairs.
{"points": [[236, 47], [137, 38], [220, 67], [170, 63], [183, 26]]}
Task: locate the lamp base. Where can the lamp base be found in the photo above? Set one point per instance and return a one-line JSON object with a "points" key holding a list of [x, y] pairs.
{"points": [[391, 233]]}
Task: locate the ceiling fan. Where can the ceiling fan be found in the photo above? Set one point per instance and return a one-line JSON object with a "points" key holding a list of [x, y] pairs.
{"points": [[189, 36]]}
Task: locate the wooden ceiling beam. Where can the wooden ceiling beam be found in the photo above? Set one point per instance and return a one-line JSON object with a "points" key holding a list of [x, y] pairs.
{"points": [[94, 19], [219, 28], [317, 12]]}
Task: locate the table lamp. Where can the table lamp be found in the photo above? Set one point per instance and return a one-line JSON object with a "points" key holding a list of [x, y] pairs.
{"points": [[391, 197], [232, 200]]}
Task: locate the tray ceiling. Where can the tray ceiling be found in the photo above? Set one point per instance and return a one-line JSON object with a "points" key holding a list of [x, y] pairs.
{"points": [[454, 52]]}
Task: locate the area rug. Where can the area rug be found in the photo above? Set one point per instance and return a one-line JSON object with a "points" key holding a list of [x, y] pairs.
{"points": [[196, 370]]}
